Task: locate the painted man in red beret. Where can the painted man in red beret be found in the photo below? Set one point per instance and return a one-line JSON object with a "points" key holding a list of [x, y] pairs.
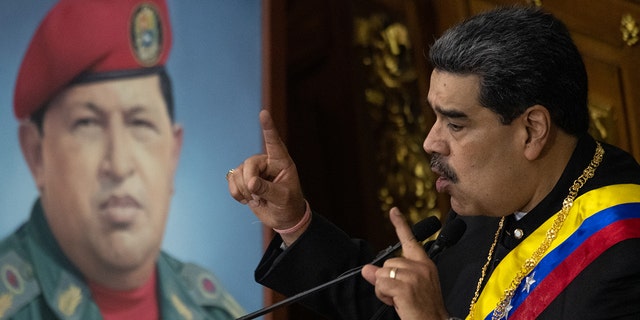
{"points": [[97, 131]]}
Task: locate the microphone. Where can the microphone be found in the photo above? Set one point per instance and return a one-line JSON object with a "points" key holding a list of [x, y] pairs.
{"points": [[451, 233], [421, 230]]}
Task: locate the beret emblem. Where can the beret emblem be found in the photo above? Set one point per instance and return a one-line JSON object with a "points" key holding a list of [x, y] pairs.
{"points": [[146, 34]]}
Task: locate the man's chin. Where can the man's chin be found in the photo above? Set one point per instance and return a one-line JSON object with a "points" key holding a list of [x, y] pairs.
{"points": [[460, 208], [128, 254]]}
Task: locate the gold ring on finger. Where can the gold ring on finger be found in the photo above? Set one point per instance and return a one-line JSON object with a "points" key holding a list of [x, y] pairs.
{"points": [[393, 273], [230, 172]]}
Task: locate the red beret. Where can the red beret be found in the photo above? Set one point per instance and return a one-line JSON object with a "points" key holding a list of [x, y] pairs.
{"points": [[80, 37]]}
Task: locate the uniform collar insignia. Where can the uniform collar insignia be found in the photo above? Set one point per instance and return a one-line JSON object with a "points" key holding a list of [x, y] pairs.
{"points": [[6, 300], [181, 307], [69, 300]]}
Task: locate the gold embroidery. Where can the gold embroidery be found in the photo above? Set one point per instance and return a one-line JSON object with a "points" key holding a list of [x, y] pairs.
{"points": [[182, 309], [69, 300], [6, 300], [12, 279]]}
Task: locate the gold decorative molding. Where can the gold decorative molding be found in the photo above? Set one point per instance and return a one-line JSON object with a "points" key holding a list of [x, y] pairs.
{"points": [[629, 29], [537, 3], [602, 125], [396, 117]]}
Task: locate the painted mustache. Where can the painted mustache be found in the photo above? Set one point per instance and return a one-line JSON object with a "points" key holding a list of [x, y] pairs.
{"points": [[441, 168]]}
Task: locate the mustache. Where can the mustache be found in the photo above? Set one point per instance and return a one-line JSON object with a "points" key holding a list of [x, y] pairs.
{"points": [[438, 165]]}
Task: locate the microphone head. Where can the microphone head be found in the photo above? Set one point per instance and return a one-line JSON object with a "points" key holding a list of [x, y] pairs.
{"points": [[423, 229], [452, 232]]}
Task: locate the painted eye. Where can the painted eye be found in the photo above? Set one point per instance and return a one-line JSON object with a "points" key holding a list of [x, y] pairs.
{"points": [[141, 123], [86, 122]]}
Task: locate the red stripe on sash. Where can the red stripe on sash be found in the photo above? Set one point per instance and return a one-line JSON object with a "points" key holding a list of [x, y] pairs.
{"points": [[558, 279]]}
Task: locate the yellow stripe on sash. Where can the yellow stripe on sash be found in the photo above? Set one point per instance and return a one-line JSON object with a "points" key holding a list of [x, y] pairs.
{"points": [[584, 206]]}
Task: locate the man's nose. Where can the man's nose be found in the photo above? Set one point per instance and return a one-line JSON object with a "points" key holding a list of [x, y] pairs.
{"points": [[434, 143], [118, 158]]}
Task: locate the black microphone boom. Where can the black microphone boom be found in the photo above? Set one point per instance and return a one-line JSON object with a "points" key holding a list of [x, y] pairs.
{"points": [[451, 233], [421, 230]]}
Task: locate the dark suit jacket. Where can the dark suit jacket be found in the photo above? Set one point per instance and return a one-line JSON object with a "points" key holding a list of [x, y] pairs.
{"points": [[609, 288]]}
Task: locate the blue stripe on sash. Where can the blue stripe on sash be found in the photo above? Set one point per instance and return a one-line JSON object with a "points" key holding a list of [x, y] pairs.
{"points": [[590, 226]]}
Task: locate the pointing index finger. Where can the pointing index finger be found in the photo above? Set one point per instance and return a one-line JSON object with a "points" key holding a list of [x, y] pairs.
{"points": [[411, 248], [275, 148]]}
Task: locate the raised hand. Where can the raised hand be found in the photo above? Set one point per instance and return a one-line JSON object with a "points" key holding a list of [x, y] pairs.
{"points": [[409, 283], [269, 183]]}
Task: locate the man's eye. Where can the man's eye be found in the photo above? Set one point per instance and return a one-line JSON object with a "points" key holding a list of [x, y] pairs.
{"points": [[143, 124], [86, 122], [454, 127]]}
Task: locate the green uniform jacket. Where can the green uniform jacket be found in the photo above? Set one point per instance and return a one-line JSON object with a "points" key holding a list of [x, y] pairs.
{"points": [[38, 282]]}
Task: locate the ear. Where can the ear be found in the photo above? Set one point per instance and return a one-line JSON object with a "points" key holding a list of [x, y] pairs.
{"points": [[178, 133], [537, 122], [31, 146]]}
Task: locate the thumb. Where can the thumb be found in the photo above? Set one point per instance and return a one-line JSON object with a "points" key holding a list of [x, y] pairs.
{"points": [[258, 186], [369, 273], [269, 190]]}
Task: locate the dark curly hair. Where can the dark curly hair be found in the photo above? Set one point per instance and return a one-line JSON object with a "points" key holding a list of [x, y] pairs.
{"points": [[523, 56]]}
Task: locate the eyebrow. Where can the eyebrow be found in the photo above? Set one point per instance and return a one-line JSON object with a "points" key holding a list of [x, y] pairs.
{"points": [[450, 113], [93, 107], [135, 109]]}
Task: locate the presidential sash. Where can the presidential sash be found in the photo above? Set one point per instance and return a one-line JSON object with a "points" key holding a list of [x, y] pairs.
{"points": [[598, 220]]}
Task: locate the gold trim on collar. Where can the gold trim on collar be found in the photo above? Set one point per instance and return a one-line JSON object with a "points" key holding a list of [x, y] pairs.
{"points": [[69, 300]]}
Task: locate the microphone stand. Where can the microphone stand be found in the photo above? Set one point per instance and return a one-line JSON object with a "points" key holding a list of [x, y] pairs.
{"points": [[422, 232], [300, 295], [382, 255]]}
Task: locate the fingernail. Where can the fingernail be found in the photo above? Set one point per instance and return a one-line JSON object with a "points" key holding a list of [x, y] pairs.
{"points": [[255, 197]]}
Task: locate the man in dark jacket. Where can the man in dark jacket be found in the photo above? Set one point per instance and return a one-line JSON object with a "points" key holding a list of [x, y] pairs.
{"points": [[552, 215]]}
